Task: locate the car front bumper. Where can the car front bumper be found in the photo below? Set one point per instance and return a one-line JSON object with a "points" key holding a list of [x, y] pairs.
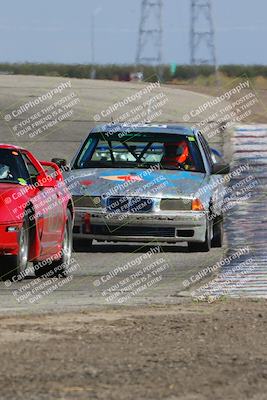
{"points": [[178, 226]]}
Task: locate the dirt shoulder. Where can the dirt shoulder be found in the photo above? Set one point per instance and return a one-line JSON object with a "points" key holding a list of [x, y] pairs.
{"points": [[187, 351]]}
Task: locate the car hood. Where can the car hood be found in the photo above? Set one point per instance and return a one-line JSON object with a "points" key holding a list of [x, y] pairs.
{"points": [[132, 182], [11, 190]]}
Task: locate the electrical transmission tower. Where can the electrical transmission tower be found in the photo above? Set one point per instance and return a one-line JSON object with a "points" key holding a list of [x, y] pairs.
{"points": [[149, 49], [202, 42]]}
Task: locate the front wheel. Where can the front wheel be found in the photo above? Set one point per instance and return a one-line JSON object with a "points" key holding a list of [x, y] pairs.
{"points": [[14, 266], [217, 240]]}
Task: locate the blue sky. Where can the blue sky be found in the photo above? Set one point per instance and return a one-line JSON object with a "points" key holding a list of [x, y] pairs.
{"points": [[60, 31]]}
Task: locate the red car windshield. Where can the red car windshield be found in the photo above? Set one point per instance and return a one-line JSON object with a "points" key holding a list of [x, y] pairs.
{"points": [[12, 167]]}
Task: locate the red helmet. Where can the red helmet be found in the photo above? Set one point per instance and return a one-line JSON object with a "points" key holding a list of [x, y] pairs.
{"points": [[171, 152]]}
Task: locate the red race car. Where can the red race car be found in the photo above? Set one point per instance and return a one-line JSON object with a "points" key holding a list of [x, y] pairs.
{"points": [[36, 215]]}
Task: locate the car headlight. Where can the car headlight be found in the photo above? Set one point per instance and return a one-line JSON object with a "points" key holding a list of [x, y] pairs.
{"points": [[87, 201], [175, 204]]}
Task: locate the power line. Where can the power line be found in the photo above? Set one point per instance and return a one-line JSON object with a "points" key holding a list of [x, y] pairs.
{"points": [[149, 48], [202, 43]]}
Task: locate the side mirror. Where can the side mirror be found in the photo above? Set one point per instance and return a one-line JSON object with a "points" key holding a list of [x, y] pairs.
{"points": [[45, 181], [56, 174], [220, 169], [61, 163]]}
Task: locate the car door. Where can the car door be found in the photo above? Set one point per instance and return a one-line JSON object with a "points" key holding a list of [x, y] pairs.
{"points": [[48, 208], [61, 202]]}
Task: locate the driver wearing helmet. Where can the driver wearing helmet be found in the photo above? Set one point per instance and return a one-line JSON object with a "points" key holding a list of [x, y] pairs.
{"points": [[176, 154]]}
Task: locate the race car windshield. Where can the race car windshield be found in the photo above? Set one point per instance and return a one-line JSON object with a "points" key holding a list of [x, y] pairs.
{"points": [[12, 167], [139, 150]]}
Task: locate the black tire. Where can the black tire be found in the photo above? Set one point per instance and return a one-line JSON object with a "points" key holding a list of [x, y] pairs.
{"points": [[13, 266], [217, 240], [202, 246], [82, 245], [58, 267]]}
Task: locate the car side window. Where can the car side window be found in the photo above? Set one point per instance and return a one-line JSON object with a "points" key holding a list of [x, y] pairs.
{"points": [[31, 168], [206, 149]]}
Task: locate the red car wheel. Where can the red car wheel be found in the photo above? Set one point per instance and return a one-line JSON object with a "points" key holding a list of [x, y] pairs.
{"points": [[13, 266]]}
